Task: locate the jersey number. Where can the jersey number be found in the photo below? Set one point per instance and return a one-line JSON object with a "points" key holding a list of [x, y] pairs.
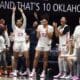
{"points": [[20, 34], [43, 34]]}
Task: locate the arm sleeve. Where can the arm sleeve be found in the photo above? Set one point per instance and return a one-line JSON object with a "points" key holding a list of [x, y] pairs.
{"points": [[24, 20], [13, 21], [66, 29]]}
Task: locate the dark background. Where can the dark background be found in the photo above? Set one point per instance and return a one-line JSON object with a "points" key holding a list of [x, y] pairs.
{"points": [[72, 18]]}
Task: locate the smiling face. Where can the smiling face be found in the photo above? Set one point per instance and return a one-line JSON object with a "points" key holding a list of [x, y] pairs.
{"points": [[44, 22], [2, 21], [19, 23], [63, 21]]}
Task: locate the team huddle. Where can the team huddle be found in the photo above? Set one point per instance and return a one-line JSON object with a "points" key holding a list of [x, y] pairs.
{"points": [[68, 46]]}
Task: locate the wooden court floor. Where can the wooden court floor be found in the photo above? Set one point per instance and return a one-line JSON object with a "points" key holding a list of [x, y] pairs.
{"points": [[25, 78], [14, 78]]}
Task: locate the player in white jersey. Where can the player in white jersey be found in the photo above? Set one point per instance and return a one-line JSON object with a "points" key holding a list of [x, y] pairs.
{"points": [[75, 57], [21, 45], [76, 37], [44, 35], [5, 32], [63, 32], [4, 43], [71, 57]]}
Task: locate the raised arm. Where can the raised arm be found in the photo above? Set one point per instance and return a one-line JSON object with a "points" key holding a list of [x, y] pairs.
{"points": [[61, 33], [24, 18], [13, 18], [57, 31]]}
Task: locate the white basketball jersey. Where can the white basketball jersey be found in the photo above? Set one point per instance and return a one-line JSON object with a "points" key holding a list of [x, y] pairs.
{"points": [[2, 42], [64, 38], [43, 39], [76, 36], [19, 35]]}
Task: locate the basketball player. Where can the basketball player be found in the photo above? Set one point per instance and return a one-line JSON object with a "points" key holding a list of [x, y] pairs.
{"points": [[4, 29], [76, 54], [4, 44], [44, 35], [63, 32], [21, 45], [71, 57]]}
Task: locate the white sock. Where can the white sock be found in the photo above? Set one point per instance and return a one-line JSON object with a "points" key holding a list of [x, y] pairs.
{"points": [[78, 68], [28, 70], [65, 66], [60, 64], [33, 70], [43, 72], [15, 70], [70, 74]]}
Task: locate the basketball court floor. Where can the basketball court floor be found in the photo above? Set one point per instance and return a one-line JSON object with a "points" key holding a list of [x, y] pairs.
{"points": [[14, 78], [24, 78]]}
